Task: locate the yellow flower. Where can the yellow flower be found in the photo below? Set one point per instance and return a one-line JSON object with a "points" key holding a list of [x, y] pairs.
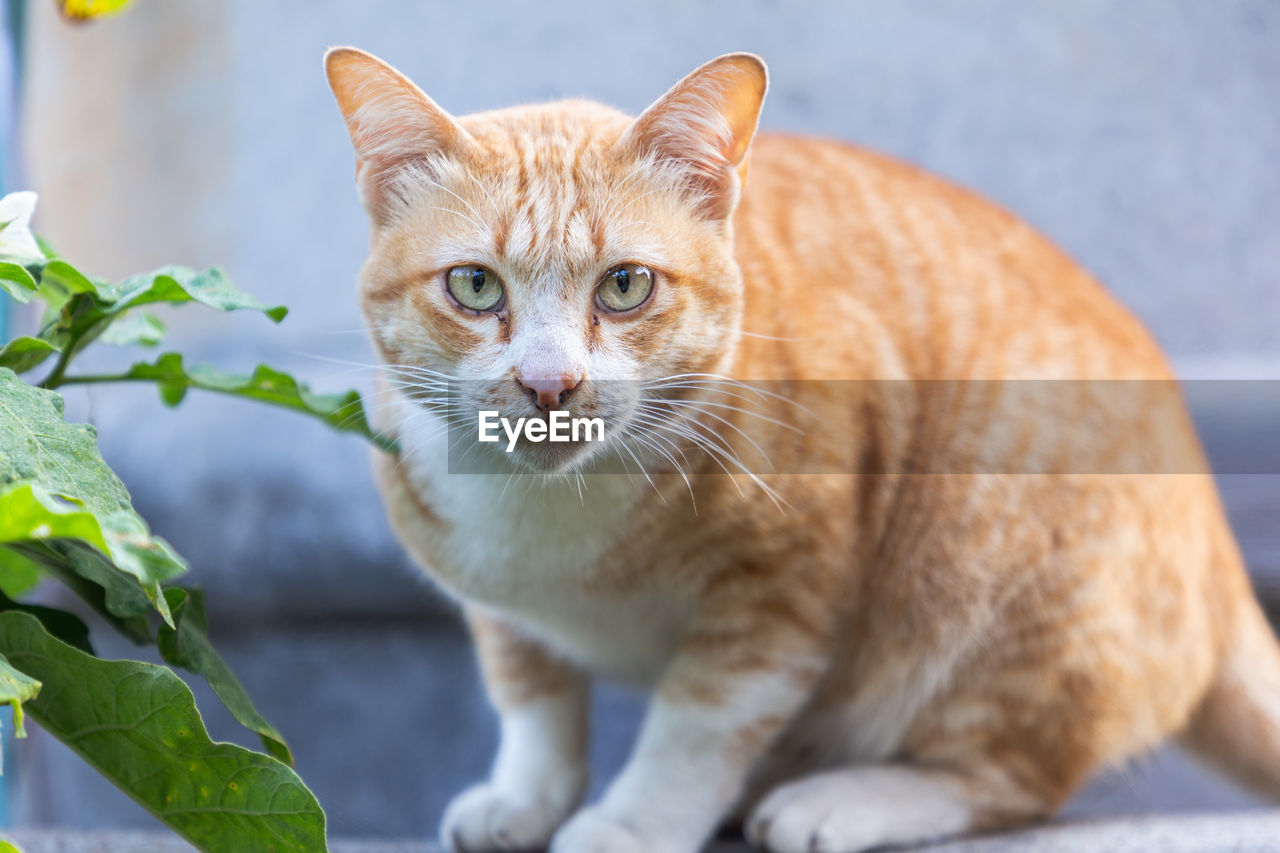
{"points": [[83, 10]]}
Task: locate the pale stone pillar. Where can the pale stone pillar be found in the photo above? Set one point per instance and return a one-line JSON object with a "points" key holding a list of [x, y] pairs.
{"points": [[127, 126]]}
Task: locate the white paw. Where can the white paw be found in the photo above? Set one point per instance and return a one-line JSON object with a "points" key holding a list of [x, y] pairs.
{"points": [[484, 819], [592, 831], [851, 811], [805, 817]]}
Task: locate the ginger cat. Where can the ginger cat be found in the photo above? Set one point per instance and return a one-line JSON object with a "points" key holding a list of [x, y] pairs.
{"points": [[857, 657]]}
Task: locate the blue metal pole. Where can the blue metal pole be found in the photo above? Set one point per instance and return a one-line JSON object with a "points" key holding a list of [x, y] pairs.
{"points": [[12, 37], [10, 76]]}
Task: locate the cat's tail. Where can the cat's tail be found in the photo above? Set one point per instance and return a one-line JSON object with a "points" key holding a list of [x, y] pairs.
{"points": [[1237, 725]]}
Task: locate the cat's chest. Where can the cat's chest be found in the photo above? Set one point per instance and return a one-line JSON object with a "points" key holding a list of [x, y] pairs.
{"points": [[547, 556]]}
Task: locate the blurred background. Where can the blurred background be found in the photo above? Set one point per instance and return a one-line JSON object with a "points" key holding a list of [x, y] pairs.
{"points": [[1141, 136]]}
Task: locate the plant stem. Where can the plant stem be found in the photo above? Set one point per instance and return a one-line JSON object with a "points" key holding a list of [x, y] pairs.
{"points": [[55, 377], [93, 379], [383, 442]]}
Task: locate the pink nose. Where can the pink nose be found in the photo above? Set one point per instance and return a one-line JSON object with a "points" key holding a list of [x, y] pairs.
{"points": [[548, 394]]}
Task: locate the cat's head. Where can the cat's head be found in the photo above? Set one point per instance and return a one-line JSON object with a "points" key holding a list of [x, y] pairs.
{"points": [[557, 256]]}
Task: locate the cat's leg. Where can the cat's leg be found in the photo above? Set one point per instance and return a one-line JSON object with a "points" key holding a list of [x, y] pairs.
{"points": [[859, 808], [540, 772], [739, 675]]}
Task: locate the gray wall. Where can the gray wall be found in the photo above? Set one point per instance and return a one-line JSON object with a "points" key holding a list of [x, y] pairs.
{"points": [[1142, 136]]}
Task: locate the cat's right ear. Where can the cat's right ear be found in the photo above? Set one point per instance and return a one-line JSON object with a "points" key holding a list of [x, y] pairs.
{"points": [[393, 125]]}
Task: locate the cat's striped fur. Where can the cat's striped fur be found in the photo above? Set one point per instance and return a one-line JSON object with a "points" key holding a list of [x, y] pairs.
{"points": [[841, 660]]}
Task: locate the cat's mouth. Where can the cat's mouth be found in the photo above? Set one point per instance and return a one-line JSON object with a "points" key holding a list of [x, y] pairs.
{"points": [[492, 430], [552, 458]]}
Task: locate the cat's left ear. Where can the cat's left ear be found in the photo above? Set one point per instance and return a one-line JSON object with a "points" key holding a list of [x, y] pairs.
{"points": [[704, 125]]}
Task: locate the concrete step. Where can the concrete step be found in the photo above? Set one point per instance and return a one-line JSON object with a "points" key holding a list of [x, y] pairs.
{"points": [[388, 722], [1203, 833]]}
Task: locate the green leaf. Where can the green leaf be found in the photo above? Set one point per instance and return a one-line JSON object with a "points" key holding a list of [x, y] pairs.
{"points": [[28, 512], [67, 627], [61, 462], [59, 281], [137, 724], [135, 328], [80, 309], [179, 285], [15, 688], [344, 412], [188, 646], [22, 354], [18, 574], [16, 281], [112, 594], [37, 445]]}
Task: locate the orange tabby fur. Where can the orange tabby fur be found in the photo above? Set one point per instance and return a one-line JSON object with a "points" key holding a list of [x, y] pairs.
{"points": [[841, 660]]}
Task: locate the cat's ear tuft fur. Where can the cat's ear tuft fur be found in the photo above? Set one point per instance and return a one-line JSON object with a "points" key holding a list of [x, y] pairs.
{"points": [[705, 124], [392, 123]]}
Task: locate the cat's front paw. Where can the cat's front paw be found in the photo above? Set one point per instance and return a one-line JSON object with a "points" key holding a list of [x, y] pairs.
{"points": [[485, 819], [593, 831]]}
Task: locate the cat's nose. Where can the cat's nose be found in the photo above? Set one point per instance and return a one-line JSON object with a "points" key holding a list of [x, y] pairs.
{"points": [[550, 394]]}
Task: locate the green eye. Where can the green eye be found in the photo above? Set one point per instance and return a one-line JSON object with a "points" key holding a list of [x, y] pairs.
{"points": [[624, 287], [475, 287]]}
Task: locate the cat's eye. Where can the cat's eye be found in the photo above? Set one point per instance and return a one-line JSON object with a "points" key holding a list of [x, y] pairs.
{"points": [[624, 287], [475, 287]]}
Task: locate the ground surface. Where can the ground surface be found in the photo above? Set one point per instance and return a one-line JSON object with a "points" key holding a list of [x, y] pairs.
{"points": [[1253, 833]]}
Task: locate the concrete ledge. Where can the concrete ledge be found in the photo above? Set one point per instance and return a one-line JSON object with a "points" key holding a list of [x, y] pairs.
{"points": [[1245, 832]]}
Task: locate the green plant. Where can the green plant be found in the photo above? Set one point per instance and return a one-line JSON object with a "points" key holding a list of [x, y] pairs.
{"points": [[65, 516]]}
